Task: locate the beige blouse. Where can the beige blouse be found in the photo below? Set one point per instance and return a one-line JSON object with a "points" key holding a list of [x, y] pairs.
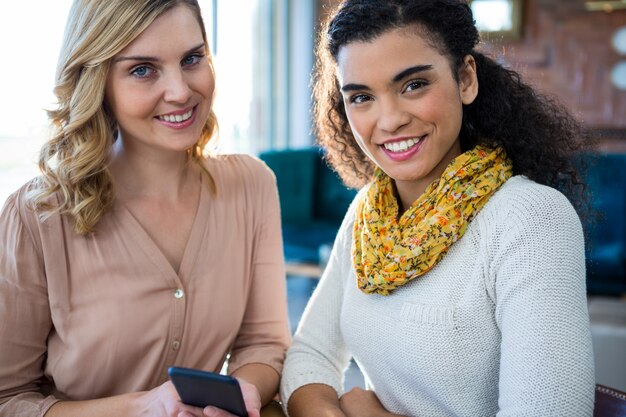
{"points": [[85, 317]]}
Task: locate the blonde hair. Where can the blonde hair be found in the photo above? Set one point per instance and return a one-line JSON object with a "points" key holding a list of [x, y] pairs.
{"points": [[74, 160]]}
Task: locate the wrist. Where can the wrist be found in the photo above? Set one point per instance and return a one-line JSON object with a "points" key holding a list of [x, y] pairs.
{"points": [[315, 401], [136, 403]]}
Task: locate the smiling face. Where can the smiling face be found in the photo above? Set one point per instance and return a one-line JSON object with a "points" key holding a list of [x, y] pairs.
{"points": [[160, 87], [404, 106]]}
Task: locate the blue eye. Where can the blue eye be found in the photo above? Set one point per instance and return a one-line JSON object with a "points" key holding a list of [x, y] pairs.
{"points": [[141, 71], [192, 59]]}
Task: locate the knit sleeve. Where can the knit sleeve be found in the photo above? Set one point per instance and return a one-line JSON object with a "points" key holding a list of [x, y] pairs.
{"points": [[538, 271], [25, 314], [318, 353]]}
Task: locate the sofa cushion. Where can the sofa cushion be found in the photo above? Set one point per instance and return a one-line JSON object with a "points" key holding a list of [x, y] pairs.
{"points": [[605, 226], [332, 196], [302, 243], [295, 170]]}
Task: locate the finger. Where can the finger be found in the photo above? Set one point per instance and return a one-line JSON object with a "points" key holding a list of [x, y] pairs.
{"points": [[211, 411], [189, 411], [186, 413]]}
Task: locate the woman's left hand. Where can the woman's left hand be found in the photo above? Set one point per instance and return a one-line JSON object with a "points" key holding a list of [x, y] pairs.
{"points": [[361, 403], [251, 397]]}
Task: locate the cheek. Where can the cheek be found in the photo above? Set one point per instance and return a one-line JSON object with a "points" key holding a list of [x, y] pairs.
{"points": [[446, 108], [359, 124], [135, 103], [204, 83]]}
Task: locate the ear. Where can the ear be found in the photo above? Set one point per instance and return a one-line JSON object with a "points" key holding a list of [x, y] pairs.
{"points": [[468, 80]]}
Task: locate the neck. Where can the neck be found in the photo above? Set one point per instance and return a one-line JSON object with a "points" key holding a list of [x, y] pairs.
{"points": [[165, 175], [409, 191]]}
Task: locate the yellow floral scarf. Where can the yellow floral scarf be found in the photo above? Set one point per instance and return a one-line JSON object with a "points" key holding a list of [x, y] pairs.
{"points": [[389, 252]]}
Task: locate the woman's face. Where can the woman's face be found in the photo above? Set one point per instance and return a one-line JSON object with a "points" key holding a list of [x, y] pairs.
{"points": [[160, 87], [404, 106]]}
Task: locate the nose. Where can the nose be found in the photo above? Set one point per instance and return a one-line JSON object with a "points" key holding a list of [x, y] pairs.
{"points": [[176, 87], [392, 116]]}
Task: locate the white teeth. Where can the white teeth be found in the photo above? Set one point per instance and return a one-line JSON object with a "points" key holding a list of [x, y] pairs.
{"points": [[177, 118], [402, 145]]}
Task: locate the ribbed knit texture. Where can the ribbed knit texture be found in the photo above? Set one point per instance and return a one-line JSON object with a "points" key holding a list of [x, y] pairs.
{"points": [[498, 328]]}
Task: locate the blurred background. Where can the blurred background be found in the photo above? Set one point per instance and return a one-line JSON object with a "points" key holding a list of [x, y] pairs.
{"points": [[572, 49]]}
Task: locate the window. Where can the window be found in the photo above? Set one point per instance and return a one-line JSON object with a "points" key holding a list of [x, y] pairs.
{"points": [[261, 100], [243, 53], [498, 19], [32, 35]]}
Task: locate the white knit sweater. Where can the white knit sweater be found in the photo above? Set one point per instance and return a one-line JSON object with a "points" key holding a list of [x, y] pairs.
{"points": [[498, 328]]}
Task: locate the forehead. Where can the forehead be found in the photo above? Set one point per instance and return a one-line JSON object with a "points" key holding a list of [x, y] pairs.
{"points": [[386, 55], [175, 28]]}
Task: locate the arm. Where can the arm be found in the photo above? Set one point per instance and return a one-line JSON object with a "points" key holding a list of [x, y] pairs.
{"points": [[363, 403], [315, 400], [263, 377], [313, 376], [259, 349], [25, 315], [546, 365]]}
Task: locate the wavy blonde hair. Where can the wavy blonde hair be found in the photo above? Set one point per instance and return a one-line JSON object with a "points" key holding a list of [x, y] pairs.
{"points": [[74, 161]]}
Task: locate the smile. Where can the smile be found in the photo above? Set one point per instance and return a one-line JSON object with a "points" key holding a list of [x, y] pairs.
{"points": [[178, 118], [402, 145]]}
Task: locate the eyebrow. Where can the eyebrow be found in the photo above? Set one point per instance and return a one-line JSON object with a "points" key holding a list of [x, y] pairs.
{"points": [[398, 77], [151, 58], [410, 71]]}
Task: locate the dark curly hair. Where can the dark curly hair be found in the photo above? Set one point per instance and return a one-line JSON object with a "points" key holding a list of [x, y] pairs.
{"points": [[538, 133]]}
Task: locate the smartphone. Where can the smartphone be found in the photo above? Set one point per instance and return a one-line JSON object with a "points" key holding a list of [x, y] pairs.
{"points": [[202, 388]]}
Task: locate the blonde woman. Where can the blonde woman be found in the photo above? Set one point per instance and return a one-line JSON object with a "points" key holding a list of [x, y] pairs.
{"points": [[134, 251]]}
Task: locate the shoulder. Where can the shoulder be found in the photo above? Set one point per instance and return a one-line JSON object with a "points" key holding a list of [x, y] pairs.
{"points": [[236, 170], [520, 232], [18, 213], [525, 223], [21, 200], [520, 201]]}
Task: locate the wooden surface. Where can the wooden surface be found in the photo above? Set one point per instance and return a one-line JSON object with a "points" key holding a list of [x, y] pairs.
{"points": [[304, 270]]}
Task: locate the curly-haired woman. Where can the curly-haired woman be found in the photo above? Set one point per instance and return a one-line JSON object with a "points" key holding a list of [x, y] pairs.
{"points": [[457, 280]]}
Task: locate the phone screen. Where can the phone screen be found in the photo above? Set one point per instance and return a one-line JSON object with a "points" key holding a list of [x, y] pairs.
{"points": [[202, 388]]}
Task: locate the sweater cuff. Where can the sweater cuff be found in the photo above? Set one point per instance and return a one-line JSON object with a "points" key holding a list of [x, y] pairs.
{"points": [[291, 384]]}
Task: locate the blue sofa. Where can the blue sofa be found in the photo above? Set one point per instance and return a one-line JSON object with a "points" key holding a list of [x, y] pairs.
{"points": [[605, 224], [313, 201]]}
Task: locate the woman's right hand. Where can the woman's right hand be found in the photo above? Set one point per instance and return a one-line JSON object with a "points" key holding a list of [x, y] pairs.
{"points": [[163, 401]]}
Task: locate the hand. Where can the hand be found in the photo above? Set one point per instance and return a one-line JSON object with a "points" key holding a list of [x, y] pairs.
{"points": [[361, 403], [163, 401], [251, 397]]}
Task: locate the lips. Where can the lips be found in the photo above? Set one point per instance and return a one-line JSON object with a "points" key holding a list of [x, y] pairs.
{"points": [[402, 145], [176, 118], [179, 119], [403, 149]]}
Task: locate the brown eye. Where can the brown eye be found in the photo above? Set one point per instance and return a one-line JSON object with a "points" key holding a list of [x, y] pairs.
{"points": [[359, 98], [415, 85]]}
